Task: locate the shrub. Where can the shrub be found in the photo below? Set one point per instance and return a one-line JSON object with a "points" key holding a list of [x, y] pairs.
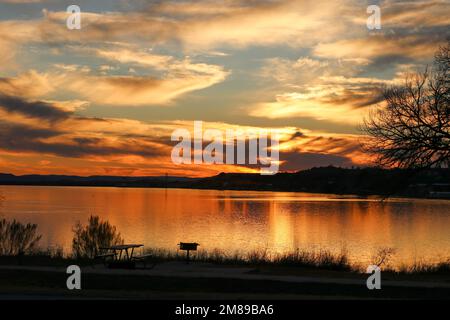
{"points": [[17, 238], [88, 239]]}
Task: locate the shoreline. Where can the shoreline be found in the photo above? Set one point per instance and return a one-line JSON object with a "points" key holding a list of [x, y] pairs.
{"points": [[359, 182], [375, 197]]}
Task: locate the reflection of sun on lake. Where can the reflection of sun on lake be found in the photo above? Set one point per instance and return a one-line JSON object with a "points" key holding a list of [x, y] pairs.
{"points": [[240, 220]]}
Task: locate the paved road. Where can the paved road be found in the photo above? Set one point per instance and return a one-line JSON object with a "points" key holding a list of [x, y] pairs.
{"points": [[178, 269]]}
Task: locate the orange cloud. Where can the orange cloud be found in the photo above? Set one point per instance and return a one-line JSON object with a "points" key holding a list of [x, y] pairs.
{"points": [[379, 45]]}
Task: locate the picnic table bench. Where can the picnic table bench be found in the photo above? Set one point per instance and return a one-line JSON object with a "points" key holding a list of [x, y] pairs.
{"points": [[143, 258], [104, 257], [123, 255]]}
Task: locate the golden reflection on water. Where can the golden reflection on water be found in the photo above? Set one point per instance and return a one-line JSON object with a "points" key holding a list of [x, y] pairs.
{"points": [[240, 220]]}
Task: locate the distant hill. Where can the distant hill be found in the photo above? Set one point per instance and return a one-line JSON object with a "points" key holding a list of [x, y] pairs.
{"points": [[359, 181], [64, 180]]}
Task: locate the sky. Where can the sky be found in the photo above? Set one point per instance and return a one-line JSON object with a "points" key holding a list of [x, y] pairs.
{"points": [[105, 99]]}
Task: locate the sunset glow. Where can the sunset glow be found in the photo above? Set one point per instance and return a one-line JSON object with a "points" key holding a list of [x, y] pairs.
{"points": [[104, 100]]}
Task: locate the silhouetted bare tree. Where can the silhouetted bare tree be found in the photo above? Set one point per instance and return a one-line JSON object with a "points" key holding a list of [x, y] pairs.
{"points": [[413, 129], [88, 240]]}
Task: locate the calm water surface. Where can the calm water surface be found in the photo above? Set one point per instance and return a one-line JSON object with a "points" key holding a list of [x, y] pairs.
{"points": [[240, 220]]}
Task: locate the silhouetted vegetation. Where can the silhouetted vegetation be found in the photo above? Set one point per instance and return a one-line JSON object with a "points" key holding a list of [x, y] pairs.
{"points": [[383, 256], [358, 181], [442, 267], [322, 259], [17, 238], [88, 239], [413, 130]]}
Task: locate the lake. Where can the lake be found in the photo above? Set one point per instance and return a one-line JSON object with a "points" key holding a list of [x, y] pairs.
{"points": [[240, 220]]}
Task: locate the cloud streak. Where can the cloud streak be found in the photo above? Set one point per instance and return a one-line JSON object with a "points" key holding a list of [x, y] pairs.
{"points": [[105, 99], [34, 109]]}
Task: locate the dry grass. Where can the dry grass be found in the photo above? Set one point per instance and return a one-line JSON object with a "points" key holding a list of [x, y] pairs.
{"points": [[318, 259], [426, 268]]}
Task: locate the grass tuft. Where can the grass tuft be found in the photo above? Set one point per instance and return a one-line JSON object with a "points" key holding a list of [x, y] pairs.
{"points": [[300, 258]]}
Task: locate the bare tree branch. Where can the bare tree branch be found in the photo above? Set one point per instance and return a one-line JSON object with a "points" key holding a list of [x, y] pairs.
{"points": [[413, 129]]}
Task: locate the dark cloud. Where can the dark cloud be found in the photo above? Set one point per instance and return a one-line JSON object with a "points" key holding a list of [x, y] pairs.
{"points": [[18, 137], [386, 63], [304, 160], [296, 135], [92, 119], [357, 97], [331, 143], [87, 140], [33, 109], [24, 138], [12, 134]]}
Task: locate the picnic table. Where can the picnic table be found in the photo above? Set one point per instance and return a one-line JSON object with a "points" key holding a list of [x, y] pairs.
{"points": [[118, 251], [123, 255]]}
